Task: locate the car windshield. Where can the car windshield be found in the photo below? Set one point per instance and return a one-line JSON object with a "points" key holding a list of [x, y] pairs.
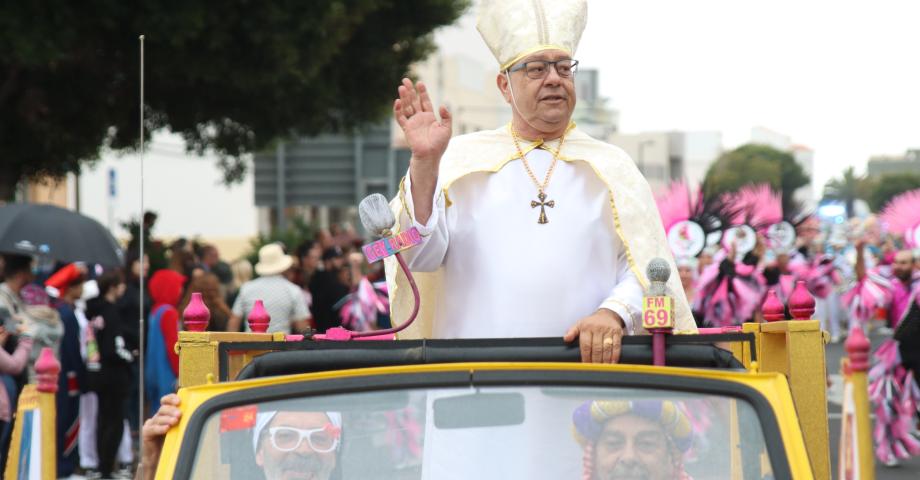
{"points": [[487, 433]]}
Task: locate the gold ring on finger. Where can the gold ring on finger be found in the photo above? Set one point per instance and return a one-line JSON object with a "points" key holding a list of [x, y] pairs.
{"points": [[608, 342]]}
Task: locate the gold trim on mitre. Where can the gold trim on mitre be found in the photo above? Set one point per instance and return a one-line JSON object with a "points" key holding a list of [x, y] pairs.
{"points": [[539, 48], [513, 29]]}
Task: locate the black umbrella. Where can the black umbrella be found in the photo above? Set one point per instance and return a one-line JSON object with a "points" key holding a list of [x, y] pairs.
{"points": [[58, 233]]}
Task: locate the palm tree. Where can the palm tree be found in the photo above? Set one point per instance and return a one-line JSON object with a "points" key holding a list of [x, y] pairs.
{"points": [[846, 189]]}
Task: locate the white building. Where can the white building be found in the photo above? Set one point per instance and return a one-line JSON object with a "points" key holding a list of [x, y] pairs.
{"points": [[667, 156], [592, 113], [185, 191], [652, 153], [696, 152]]}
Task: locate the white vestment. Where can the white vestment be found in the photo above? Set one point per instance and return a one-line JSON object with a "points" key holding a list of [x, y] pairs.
{"points": [[487, 269], [505, 275]]}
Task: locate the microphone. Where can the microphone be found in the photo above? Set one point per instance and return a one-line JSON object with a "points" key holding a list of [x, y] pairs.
{"points": [[658, 307], [378, 219], [658, 272], [376, 215]]}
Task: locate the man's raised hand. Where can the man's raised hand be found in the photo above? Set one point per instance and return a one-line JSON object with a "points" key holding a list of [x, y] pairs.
{"points": [[426, 135], [427, 138]]}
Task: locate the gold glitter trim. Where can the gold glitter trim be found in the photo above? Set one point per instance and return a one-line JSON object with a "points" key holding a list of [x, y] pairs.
{"points": [[531, 51]]}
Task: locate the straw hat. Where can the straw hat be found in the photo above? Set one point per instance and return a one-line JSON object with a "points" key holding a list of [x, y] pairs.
{"points": [[272, 260]]}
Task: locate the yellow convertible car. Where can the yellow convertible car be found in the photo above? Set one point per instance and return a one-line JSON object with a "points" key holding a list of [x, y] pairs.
{"points": [[742, 405]]}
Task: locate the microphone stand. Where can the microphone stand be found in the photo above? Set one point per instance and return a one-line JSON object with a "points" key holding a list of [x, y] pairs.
{"points": [[415, 296], [658, 345], [342, 334]]}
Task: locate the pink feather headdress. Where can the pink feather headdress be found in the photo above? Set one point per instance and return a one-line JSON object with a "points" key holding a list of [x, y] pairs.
{"points": [[755, 205], [679, 203], [674, 204], [901, 216]]}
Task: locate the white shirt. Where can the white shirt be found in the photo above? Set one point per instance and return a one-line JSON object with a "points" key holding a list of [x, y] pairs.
{"points": [[505, 275], [284, 302]]}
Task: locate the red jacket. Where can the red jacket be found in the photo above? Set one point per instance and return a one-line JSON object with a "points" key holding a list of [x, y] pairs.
{"points": [[166, 289]]}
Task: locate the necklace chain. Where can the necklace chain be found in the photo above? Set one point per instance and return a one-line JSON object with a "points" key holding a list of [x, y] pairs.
{"points": [[541, 188]]}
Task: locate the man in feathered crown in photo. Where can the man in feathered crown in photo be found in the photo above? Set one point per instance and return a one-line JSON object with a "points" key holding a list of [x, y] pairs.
{"points": [[535, 228]]}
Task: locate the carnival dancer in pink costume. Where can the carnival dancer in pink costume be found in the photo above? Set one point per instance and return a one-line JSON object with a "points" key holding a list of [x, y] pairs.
{"points": [[360, 309], [822, 278], [893, 380], [690, 220], [730, 290]]}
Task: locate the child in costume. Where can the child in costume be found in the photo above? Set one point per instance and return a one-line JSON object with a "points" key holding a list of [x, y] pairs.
{"points": [[161, 368], [66, 286]]}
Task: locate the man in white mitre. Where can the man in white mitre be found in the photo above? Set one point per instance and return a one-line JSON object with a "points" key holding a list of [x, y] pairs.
{"points": [[533, 229]]}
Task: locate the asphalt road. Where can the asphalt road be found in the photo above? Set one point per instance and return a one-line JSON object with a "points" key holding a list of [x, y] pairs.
{"points": [[907, 470]]}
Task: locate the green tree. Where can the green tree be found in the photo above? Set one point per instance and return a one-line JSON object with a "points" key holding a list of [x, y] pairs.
{"points": [[847, 189], [297, 233], [230, 75], [889, 185], [756, 164]]}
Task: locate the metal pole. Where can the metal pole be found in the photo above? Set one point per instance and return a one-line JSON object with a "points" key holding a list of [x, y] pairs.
{"points": [[358, 151], [280, 193], [143, 274]]}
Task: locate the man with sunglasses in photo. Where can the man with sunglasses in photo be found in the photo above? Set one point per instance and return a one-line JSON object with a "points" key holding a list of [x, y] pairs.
{"points": [[535, 229], [297, 444], [287, 444]]}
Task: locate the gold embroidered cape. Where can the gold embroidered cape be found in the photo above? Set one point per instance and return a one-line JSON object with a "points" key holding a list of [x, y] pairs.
{"points": [[635, 215]]}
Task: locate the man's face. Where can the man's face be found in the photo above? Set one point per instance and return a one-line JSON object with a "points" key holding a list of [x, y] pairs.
{"points": [[74, 291], [136, 266], [302, 462], [210, 257], [703, 261], [312, 258], [633, 448], [545, 103], [325, 240], [335, 263], [903, 266], [782, 261]]}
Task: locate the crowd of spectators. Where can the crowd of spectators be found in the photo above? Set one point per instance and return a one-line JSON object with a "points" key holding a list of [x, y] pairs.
{"points": [[89, 315]]}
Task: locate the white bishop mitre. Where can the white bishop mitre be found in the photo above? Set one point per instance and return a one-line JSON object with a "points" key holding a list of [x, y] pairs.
{"points": [[514, 29]]}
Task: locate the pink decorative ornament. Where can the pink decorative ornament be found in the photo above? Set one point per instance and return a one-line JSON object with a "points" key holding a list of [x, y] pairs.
{"points": [[259, 318], [857, 347], [196, 315], [773, 309], [801, 303], [47, 369]]}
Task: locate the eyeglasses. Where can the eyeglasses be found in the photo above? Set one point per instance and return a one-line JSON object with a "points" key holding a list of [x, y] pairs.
{"points": [[537, 69], [321, 440]]}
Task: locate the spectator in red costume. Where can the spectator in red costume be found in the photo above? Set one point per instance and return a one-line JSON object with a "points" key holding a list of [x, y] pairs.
{"points": [[162, 363]]}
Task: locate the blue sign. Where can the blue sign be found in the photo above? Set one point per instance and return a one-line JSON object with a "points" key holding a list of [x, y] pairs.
{"points": [[112, 191]]}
